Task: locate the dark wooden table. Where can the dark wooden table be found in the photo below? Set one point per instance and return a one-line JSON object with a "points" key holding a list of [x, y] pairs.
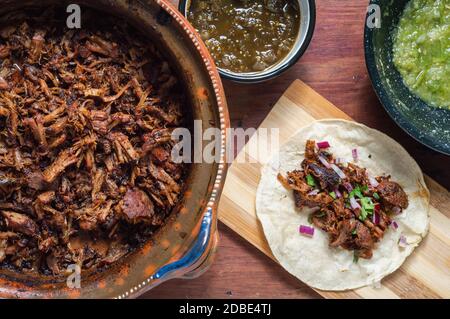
{"points": [[334, 66]]}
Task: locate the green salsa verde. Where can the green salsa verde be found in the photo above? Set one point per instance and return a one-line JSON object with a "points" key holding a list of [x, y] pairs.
{"points": [[246, 35], [421, 51]]}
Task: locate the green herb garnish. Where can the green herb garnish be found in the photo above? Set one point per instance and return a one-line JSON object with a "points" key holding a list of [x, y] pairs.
{"points": [[356, 192], [376, 196], [367, 204], [310, 180], [333, 195], [362, 214]]}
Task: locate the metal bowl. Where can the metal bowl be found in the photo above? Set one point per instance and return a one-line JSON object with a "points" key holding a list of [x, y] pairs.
{"points": [[427, 124], [185, 245], [304, 36]]}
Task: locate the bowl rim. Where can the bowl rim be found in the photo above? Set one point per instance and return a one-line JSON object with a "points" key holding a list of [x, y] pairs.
{"points": [[386, 102], [182, 7]]}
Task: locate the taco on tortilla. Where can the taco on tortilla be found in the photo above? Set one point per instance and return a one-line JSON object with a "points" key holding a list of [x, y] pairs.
{"points": [[342, 205]]}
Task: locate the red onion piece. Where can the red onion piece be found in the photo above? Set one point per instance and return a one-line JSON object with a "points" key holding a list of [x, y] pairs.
{"points": [[354, 203], [377, 207], [338, 171], [313, 192], [394, 225], [402, 242], [355, 154], [324, 162], [373, 182], [396, 210], [339, 160], [338, 193], [348, 187], [376, 218], [306, 230], [323, 144]]}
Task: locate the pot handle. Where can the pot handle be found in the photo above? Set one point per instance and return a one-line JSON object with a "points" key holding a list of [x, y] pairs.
{"points": [[194, 253]]}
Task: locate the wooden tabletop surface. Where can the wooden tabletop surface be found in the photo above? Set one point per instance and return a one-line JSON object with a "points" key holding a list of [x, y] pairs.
{"points": [[334, 66]]}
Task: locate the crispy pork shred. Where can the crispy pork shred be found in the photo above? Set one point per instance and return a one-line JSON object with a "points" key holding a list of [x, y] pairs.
{"points": [[355, 211], [86, 119]]}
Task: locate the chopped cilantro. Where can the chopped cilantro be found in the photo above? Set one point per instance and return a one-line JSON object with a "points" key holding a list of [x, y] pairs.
{"points": [[310, 180], [333, 194], [356, 192], [354, 232], [365, 188], [362, 214], [367, 204], [376, 196]]}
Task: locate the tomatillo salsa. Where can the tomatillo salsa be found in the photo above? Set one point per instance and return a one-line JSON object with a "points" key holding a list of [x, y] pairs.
{"points": [[246, 35], [421, 51]]}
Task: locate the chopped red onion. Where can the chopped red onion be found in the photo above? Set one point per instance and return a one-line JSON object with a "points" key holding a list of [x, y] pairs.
{"points": [[323, 144], [402, 242], [348, 187], [354, 203], [355, 154], [324, 162], [313, 192], [377, 207], [394, 225], [396, 210], [373, 182], [306, 230], [376, 218], [338, 171], [338, 193]]}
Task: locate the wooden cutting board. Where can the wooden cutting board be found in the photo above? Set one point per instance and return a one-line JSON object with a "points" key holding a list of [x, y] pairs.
{"points": [[425, 274]]}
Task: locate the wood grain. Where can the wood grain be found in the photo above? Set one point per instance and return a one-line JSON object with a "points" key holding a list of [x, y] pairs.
{"points": [[333, 66]]}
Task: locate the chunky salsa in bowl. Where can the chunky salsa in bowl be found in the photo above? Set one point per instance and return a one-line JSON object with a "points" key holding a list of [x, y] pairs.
{"points": [[252, 41]]}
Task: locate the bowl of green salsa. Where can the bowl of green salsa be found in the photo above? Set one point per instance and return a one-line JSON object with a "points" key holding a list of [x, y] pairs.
{"points": [[408, 59]]}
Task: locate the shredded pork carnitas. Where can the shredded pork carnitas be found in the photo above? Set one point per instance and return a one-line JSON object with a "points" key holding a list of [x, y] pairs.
{"points": [[85, 143], [354, 209]]}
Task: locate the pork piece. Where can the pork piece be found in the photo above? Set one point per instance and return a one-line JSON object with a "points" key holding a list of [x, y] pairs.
{"points": [[98, 45], [392, 194], [64, 160], [137, 207], [3, 84], [302, 195], [124, 149], [20, 223], [363, 241], [161, 175], [155, 138], [345, 229], [160, 155], [37, 128], [35, 180], [311, 201], [37, 44], [310, 150], [356, 174], [100, 120], [92, 217], [327, 177]]}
